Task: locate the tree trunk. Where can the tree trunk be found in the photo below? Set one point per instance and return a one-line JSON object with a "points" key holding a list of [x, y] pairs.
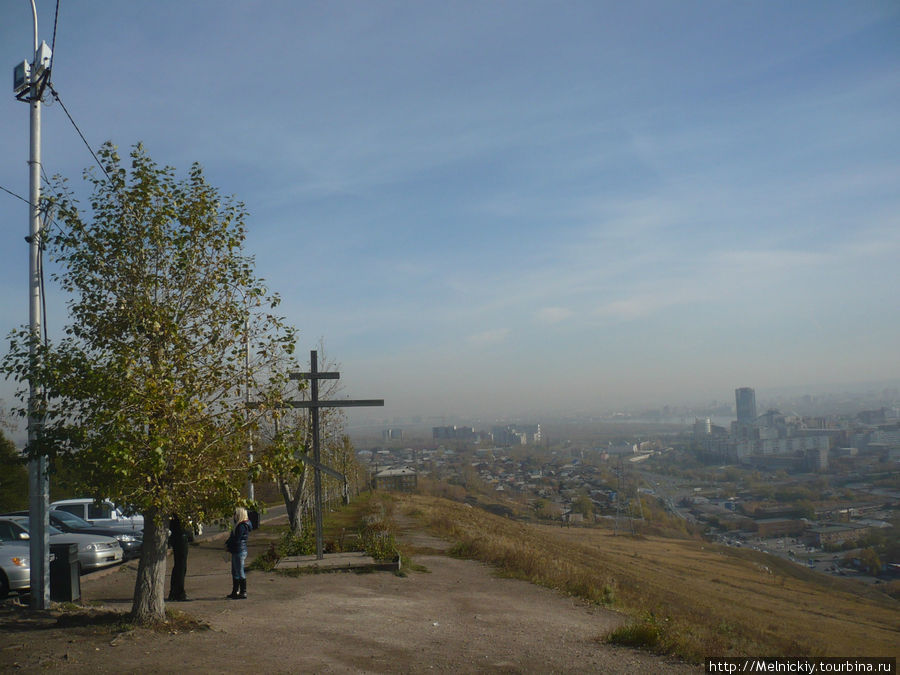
{"points": [[295, 514], [293, 503], [287, 494], [295, 508], [148, 604]]}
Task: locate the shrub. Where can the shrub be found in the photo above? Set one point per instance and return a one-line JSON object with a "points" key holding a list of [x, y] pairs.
{"points": [[379, 543], [644, 633], [297, 544], [288, 544], [265, 561]]}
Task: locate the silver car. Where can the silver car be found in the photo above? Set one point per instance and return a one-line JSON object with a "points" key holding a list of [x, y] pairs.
{"points": [[94, 551], [15, 572]]}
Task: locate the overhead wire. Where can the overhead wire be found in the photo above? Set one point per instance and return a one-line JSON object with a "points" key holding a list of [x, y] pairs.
{"points": [[10, 192], [47, 215], [83, 139], [53, 42], [47, 222]]}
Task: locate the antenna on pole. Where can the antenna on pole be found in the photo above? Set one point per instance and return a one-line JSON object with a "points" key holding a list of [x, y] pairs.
{"points": [[29, 82]]}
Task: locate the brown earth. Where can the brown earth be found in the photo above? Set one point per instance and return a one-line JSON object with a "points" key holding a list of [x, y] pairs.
{"points": [[456, 617]]}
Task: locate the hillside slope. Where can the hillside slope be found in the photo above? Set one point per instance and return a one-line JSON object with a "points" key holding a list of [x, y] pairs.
{"points": [[694, 599]]}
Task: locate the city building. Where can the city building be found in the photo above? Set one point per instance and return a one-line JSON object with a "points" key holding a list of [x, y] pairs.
{"points": [[745, 405], [454, 433], [519, 434], [779, 527], [399, 480], [833, 533]]}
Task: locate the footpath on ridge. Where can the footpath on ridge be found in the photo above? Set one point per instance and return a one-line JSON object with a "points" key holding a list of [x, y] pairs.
{"points": [[456, 617]]}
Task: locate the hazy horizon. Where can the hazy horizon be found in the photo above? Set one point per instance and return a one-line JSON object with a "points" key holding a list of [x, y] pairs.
{"points": [[504, 209]]}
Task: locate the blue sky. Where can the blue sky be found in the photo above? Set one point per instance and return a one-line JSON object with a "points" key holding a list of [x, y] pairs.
{"points": [[498, 208]]}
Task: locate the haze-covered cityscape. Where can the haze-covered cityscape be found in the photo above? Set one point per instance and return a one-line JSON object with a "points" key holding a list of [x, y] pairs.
{"points": [[811, 478]]}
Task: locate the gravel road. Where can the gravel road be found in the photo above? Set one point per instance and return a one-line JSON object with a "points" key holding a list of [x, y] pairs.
{"points": [[455, 618]]}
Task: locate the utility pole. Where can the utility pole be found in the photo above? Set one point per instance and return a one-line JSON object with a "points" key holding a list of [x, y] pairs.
{"points": [[251, 494], [29, 81]]}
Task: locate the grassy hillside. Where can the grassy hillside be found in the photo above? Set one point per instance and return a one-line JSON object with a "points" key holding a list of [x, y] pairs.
{"points": [[687, 597]]}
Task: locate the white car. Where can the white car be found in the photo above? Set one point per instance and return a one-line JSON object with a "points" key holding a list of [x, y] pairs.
{"points": [[94, 551], [15, 572], [105, 514]]}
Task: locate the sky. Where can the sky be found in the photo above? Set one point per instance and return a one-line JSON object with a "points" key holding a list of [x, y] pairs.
{"points": [[496, 208]]}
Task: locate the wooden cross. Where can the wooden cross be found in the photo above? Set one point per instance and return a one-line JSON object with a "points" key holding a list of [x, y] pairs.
{"points": [[314, 404]]}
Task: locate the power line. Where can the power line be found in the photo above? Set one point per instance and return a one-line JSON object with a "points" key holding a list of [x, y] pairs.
{"points": [[10, 192], [83, 139], [48, 219], [53, 43]]}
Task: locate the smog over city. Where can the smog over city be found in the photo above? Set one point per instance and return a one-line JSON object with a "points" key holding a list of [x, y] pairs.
{"points": [[628, 267], [492, 210]]}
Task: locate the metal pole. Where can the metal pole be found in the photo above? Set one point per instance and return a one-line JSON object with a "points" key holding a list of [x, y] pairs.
{"points": [[250, 489], [38, 483], [317, 473]]}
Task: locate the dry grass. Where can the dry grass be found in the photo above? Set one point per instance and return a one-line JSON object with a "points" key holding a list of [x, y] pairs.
{"points": [[694, 598]]}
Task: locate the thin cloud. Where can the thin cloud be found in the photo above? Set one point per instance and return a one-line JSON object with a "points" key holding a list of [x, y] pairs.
{"points": [[767, 261], [489, 337], [554, 314]]}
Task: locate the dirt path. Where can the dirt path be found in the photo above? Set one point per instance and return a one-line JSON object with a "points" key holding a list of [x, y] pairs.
{"points": [[456, 617]]}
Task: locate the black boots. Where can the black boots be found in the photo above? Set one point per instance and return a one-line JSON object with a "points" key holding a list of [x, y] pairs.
{"points": [[238, 589]]}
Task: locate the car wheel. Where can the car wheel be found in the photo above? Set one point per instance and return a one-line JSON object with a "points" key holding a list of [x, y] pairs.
{"points": [[4, 585]]}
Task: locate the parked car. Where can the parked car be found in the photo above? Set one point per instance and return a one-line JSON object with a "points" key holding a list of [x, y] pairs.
{"points": [[104, 513], [94, 551], [15, 571], [68, 522], [130, 541]]}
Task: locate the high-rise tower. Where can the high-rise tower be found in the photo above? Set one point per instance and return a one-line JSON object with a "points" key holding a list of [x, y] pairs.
{"points": [[745, 403]]}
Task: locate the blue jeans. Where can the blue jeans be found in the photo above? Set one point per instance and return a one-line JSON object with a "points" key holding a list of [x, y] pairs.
{"points": [[237, 565]]}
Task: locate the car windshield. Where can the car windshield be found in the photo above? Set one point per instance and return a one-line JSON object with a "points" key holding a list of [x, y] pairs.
{"points": [[25, 526], [70, 519]]}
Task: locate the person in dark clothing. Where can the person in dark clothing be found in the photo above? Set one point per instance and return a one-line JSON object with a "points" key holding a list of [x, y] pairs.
{"points": [[178, 539], [237, 546]]}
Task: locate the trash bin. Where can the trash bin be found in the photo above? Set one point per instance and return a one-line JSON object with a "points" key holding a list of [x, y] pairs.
{"points": [[65, 583], [254, 519]]}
